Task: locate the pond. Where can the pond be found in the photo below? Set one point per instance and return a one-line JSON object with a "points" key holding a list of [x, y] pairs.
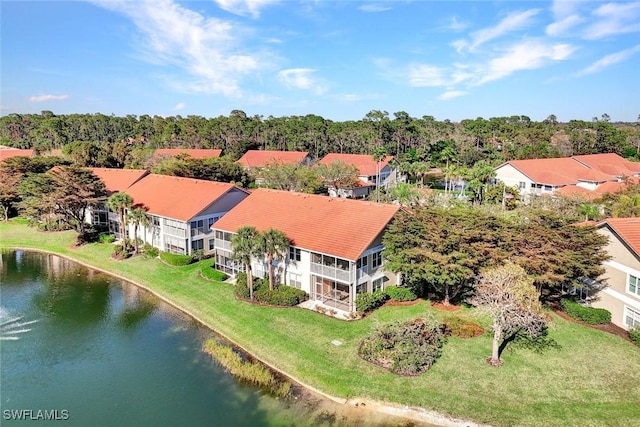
{"points": [[81, 346]]}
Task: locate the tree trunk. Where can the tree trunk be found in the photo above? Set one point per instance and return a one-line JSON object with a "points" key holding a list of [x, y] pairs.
{"points": [[250, 280], [446, 295], [6, 212], [123, 229], [494, 360], [270, 269], [135, 238]]}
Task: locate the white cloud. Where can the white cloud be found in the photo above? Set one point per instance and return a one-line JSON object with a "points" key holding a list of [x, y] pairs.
{"points": [[301, 78], [455, 25], [614, 18], [244, 7], [205, 48], [609, 60], [513, 21], [560, 27], [452, 94], [44, 98], [179, 106], [374, 8], [527, 55], [427, 76]]}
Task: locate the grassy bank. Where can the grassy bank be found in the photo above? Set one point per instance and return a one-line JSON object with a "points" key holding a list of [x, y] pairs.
{"points": [[593, 379]]}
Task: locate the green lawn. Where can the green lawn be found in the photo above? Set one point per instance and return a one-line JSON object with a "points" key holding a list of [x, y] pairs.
{"points": [[594, 379]]}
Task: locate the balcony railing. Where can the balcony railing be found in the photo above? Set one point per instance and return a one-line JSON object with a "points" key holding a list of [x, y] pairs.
{"points": [[223, 244], [178, 232], [332, 272]]}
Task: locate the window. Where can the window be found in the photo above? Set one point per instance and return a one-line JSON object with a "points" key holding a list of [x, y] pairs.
{"points": [[634, 285], [197, 245], [376, 260], [631, 317], [156, 221], [361, 288], [294, 254], [212, 243], [377, 284], [212, 221], [363, 263], [522, 185], [295, 280], [547, 188]]}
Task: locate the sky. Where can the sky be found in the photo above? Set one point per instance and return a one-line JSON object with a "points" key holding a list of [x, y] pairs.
{"points": [[337, 59]]}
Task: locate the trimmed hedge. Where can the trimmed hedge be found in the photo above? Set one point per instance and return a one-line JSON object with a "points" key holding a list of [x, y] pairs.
{"points": [[106, 238], [400, 294], [366, 302], [281, 296], [175, 259], [590, 315], [634, 334], [150, 251], [210, 272]]}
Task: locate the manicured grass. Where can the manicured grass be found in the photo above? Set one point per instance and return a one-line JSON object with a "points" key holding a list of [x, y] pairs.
{"points": [[593, 379]]}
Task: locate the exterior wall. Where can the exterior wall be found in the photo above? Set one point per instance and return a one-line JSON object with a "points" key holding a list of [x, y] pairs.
{"points": [[615, 297], [512, 177]]}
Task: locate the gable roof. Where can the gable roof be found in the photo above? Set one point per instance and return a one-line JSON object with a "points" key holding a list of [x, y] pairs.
{"points": [[259, 158], [627, 230], [333, 226], [194, 153], [610, 163], [175, 197], [558, 171], [364, 162], [118, 179]]}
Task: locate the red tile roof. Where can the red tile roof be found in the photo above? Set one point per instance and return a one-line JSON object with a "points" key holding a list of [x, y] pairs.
{"points": [[177, 198], [574, 190], [6, 153], [627, 229], [364, 162], [333, 226], [259, 158], [558, 171], [118, 179], [194, 153], [610, 163]]}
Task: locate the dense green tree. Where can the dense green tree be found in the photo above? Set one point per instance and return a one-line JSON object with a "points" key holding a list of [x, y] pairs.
{"points": [[246, 245], [290, 177], [338, 175], [9, 194], [119, 203]]}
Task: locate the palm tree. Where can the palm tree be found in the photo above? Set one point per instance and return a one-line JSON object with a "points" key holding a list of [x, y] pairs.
{"points": [[275, 244], [138, 217], [379, 153], [246, 245], [120, 202]]}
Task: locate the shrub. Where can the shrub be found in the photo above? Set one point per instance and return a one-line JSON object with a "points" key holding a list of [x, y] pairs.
{"points": [[150, 251], [590, 315], [175, 259], [461, 328], [400, 294], [634, 334], [209, 272], [366, 302], [409, 348], [120, 253], [282, 296], [106, 238], [242, 290]]}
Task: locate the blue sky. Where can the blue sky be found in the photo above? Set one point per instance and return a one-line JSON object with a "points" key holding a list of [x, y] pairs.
{"points": [[337, 59]]}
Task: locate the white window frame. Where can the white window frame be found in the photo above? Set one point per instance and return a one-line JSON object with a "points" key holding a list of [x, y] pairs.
{"points": [[295, 254], [377, 284], [636, 279], [376, 260], [633, 314]]}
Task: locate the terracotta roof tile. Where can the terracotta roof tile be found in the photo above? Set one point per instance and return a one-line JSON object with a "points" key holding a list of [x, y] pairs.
{"points": [[364, 162], [6, 153], [627, 229], [259, 158], [610, 163], [118, 179], [194, 153], [175, 197], [574, 190], [333, 226], [559, 171]]}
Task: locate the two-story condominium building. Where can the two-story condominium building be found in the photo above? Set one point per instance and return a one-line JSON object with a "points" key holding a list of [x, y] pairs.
{"points": [[336, 244], [182, 211], [621, 296], [368, 172], [114, 180], [589, 176]]}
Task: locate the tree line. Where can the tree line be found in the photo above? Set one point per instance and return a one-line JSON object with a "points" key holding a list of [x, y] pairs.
{"points": [[112, 141]]}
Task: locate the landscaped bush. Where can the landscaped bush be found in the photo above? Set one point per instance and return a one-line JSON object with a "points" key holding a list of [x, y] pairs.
{"points": [[209, 272], [400, 294], [106, 237], [283, 296], [120, 253], [461, 328], [150, 251], [175, 259], [634, 334], [405, 348], [366, 302], [590, 315]]}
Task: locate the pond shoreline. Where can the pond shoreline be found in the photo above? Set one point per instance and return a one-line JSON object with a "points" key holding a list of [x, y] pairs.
{"points": [[354, 405]]}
